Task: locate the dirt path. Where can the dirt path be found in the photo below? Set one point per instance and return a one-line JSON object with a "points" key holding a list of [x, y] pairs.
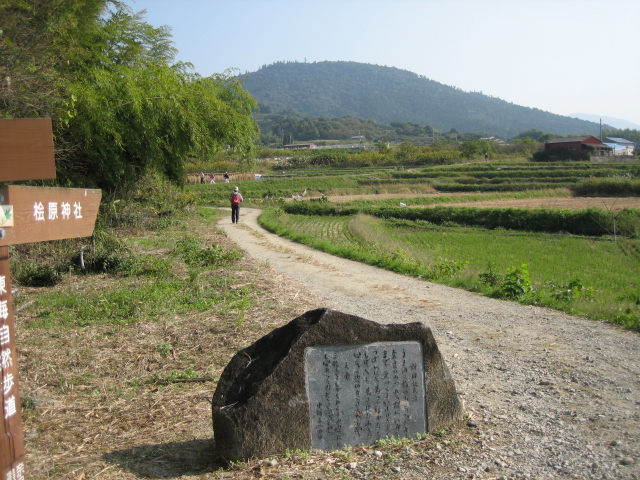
{"points": [[548, 395]]}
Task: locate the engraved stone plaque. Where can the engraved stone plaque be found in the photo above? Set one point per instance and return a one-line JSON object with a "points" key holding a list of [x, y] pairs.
{"points": [[361, 393]]}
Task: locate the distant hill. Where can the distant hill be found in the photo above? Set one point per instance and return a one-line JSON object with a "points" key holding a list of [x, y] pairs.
{"points": [[616, 122], [387, 94]]}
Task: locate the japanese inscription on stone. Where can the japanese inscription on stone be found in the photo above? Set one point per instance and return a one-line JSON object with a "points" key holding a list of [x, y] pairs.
{"points": [[359, 394]]}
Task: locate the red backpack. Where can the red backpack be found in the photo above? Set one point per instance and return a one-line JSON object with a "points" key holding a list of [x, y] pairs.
{"points": [[236, 199]]}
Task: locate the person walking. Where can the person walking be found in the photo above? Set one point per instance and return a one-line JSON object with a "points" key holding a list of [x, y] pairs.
{"points": [[236, 200]]}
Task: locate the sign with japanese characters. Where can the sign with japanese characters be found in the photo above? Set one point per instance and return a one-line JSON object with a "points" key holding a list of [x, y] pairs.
{"points": [[44, 213], [27, 215], [11, 445], [361, 393]]}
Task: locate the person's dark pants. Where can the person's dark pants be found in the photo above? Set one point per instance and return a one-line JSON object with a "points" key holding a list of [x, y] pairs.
{"points": [[235, 213]]}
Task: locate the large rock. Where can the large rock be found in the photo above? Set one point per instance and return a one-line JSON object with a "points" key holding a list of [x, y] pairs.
{"points": [[261, 405]]}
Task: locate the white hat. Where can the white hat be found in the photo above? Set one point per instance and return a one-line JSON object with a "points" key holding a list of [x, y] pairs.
{"points": [[235, 189]]}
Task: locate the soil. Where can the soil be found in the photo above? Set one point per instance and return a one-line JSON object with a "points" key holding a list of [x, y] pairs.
{"points": [[546, 395]]}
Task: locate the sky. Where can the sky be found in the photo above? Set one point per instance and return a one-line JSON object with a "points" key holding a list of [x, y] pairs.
{"points": [[561, 56]]}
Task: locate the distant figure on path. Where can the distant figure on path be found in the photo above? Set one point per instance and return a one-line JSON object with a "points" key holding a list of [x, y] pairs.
{"points": [[212, 178], [236, 200], [201, 177], [226, 177]]}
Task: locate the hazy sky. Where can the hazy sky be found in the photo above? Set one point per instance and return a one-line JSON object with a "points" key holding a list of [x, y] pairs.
{"points": [[562, 56]]}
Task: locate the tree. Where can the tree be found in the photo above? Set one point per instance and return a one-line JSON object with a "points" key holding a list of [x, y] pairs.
{"points": [[407, 151], [475, 148], [37, 39], [120, 108], [527, 146], [383, 147]]}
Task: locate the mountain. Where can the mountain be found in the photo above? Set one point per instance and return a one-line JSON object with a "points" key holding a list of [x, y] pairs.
{"points": [[387, 94], [616, 122]]}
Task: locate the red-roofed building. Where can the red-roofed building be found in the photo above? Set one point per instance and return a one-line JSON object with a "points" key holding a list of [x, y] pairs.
{"points": [[577, 145]]}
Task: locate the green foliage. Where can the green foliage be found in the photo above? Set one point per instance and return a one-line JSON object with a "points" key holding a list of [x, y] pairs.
{"points": [[534, 134], [593, 221], [570, 291], [445, 268], [626, 133], [151, 204], [476, 148], [407, 152], [164, 349], [516, 283], [39, 40], [383, 147], [173, 376], [154, 119]]}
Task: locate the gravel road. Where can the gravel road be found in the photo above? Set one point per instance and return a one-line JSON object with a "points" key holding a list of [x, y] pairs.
{"points": [[547, 395]]}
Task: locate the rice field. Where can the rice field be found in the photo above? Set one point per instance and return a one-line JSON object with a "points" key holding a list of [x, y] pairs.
{"points": [[598, 278]]}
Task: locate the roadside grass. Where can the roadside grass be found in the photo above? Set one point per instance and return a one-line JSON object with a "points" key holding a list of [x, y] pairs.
{"points": [[117, 370], [594, 277]]}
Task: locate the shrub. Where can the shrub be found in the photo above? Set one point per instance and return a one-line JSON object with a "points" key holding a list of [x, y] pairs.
{"points": [[33, 275], [107, 254]]}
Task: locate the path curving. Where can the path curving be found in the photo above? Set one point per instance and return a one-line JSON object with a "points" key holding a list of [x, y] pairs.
{"points": [[548, 395]]}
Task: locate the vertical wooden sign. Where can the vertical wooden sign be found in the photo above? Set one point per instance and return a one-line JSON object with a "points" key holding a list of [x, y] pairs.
{"points": [[11, 440]]}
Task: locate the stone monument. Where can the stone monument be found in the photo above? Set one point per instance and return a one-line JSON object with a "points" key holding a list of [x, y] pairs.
{"points": [[328, 379]]}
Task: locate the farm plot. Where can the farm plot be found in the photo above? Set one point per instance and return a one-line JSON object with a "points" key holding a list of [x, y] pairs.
{"points": [[593, 277]]}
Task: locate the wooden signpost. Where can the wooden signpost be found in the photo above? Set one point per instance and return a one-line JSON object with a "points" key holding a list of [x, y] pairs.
{"points": [[29, 215]]}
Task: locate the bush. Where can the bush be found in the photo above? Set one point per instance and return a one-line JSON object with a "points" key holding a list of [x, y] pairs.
{"points": [[33, 275], [107, 254], [151, 205]]}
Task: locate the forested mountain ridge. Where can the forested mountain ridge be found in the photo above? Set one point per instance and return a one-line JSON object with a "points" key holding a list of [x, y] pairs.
{"points": [[388, 94]]}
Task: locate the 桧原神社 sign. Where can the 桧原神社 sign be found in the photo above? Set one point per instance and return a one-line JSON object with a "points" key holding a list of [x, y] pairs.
{"points": [[29, 215], [43, 213]]}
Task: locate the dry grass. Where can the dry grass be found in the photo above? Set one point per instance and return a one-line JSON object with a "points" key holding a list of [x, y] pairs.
{"points": [[111, 402]]}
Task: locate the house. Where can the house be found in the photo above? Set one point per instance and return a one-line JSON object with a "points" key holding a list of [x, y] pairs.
{"points": [[620, 146], [578, 145]]}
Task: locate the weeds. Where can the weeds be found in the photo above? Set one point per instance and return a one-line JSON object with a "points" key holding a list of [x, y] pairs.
{"points": [[194, 253], [569, 292], [516, 283]]}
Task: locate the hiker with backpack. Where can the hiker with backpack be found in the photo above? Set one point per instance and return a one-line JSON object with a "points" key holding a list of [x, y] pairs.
{"points": [[236, 200]]}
